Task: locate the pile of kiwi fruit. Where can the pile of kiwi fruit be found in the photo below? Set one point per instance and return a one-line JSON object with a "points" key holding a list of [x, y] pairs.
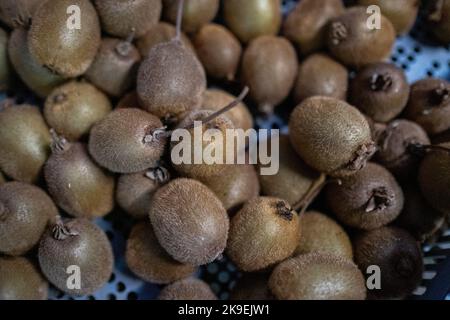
{"points": [[364, 174]]}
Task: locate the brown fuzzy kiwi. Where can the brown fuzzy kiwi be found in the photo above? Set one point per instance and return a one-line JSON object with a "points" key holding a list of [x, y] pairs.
{"points": [[196, 13], [5, 67], [76, 242], [24, 142], [189, 221], [17, 13], [380, 91], [264, 232], [76, 183], [369, 199], [130, 100], [317, 276], [252, 286], [398, 256], [115, 67], [218, 50], [64, 51], [187, 289], [252, 18], [148, 260], [320, 75], [73, 108], [269, 68], [439, 19], [331, 136], [127, 141], [306, 25], [351, 41], [429, 105], [21, 280], [24, 213]]}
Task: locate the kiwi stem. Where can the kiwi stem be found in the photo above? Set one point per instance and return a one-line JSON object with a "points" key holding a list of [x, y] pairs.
{"points": [[420, 149], [440, 95], [338, 32], [361, 156], [159, 174], [59, 144], [179, 20], [61, 231], [435, 14], [379, 200], [312, 193], [380, 82], [123, 48], [284, 210]]}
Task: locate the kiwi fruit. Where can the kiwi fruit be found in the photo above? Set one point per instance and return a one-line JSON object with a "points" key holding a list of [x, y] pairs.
{"points": [[269, 68], [439, 19], [189, 221], [429, 105], [5, 67], [252, 286], [120, 18], [24, 141], [380, 90], [196, 13], [76, 242], [129, 100], [331, 136], [306, 24], [320, 75], [127, 141], [187, 289], [351, 40], [147, 259], [219, 51], [115, 57], [398, 256], [73, 108], [135, 191], [369, 199], [25, 211], [66, 52], [17, 13], [21, 280], [76, 183], [317, 276], [252, 18]]}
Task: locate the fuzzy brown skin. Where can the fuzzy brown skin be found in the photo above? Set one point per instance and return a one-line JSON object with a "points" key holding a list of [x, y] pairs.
{"points": [[66, 52], [187, 289], [269, 69], [24, 141], [21, 280], [319, 75], [118, 58], [434, 179], [170, 81], [88, 247], [196, 13], [24, 213], [398, 256], [317, 276], [351, 41], [121, 142], [189, 221], [380, 91], [306, 25], [120, 18], [218, 50], [148, 260], [331, 136], [429, 105], [17, 13], [5, 67], [252, 286], [366, 200], [439, 19], [73, 108], [130, 100]]}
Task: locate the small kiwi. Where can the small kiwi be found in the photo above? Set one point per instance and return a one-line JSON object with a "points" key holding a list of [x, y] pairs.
{"points": [[369, 199], [76, 242], [25, 211], [252, 18], [119, 18], [439, 19], [21, 280], [351, 40], [218, 50], [320, 75], [5, 67], [306, 24], [269, 68], [429, 105], [67, 52], [129, 100], [317, 276], [331, 136], [148, 260], [187, 289], [24, 141], [398, 256], [73, 108], [126, 141], [252, 286], [17, 13], [118, 58]]}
